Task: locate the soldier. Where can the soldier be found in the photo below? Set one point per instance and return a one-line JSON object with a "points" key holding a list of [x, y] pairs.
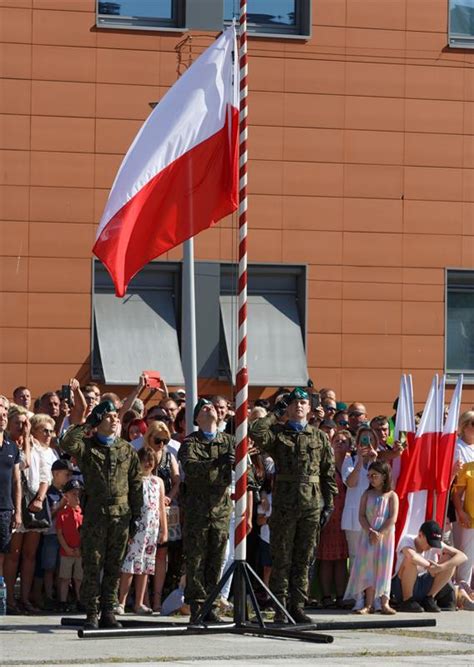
{"points": [[304, 467], [207, 457], [113, 499]]}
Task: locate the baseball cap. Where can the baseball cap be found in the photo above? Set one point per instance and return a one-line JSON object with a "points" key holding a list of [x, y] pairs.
{"points": [[433, 533], [73, 485], [61, 464]]}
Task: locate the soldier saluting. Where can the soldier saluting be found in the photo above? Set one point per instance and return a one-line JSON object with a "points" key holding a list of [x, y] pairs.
{"points": [[113, 493], [207, 457], [305, 475]]}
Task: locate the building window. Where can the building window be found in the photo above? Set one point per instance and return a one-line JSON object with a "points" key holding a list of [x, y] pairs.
{"points": [[288, 18], [139, 331], [140, 14], [461, 24], [460, 322]]}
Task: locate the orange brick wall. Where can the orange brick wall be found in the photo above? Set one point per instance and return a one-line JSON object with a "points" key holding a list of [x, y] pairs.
{"points": [[361, 166]]}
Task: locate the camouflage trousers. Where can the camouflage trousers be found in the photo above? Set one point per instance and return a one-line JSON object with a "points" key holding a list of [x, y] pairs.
{"points": [[292, 542], [103, 545], [204, 548]]}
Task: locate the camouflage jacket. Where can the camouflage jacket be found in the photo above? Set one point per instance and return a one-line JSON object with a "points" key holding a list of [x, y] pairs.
{"points": [[112, 474], [304, 463], [208, 473]]}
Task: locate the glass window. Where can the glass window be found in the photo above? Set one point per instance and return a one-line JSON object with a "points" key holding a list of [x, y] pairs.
{"points": [[461, 23], [460, 322], [138, 13], [273, 16]]}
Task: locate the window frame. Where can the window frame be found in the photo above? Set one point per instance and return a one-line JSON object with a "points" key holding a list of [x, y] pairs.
{"points": [[452, 374], [303, 29], [458, 43], [164, 25]]}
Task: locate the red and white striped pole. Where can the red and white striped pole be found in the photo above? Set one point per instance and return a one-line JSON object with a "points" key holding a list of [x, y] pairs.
{"points": [[241, 400]]}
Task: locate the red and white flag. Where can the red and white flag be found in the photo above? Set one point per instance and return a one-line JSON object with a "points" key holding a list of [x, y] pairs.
{"points": [[404, 424], [418, 475], [180, 175]]}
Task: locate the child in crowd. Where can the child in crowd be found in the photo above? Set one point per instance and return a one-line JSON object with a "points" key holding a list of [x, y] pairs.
{"points": [[372, 568], [61, 471], [264, 511], [152, 530], [68, 524]]}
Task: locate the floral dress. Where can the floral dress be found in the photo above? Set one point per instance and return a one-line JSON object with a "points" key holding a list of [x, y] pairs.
{"points": [[373, 562], [140, 558]]}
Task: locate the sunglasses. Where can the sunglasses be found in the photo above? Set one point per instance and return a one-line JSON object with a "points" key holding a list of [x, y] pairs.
{"points": [[343, 423], [329, 408], [355, 414], [161, 441], [48, 431]]}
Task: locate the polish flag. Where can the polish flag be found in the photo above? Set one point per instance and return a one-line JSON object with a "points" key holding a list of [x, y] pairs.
{"points": [[180, 175], [417, 480], [404, 424], [445, 454]]}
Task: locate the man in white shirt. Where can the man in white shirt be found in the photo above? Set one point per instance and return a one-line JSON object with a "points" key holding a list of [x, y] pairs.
{"points": [[424, 566]]}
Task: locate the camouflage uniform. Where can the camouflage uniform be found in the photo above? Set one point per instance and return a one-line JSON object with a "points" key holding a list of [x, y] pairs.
{"points": [[113, 496], [207, 509], [304, 469]]}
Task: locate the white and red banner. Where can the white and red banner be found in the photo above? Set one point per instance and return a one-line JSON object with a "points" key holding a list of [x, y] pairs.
{"points": [[426, 465], [180, 175]]}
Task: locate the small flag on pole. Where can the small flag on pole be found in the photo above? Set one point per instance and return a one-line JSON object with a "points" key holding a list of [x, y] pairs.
{"points": [[180, 175]]}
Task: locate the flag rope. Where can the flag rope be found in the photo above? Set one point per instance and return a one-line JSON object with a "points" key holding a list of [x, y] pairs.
{"points": [[241, 402]]}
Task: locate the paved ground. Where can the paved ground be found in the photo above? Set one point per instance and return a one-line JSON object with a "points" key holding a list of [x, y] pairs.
{"points": [[30, 641]]}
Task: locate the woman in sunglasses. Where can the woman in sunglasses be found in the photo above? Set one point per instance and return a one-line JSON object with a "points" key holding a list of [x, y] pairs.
{"points": [[157, 438]]}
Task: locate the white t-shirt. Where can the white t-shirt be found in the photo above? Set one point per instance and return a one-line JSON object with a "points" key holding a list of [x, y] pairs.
{"points": [[464, 452], [350, 513], [265, 529], [408, 542]]}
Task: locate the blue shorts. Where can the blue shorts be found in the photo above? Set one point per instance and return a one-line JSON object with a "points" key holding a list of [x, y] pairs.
{"points": [[49, 552], [420, 590]]}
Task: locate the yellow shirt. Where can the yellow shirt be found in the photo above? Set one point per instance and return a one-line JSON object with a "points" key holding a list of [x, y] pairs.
{"points": [[465, 480]]}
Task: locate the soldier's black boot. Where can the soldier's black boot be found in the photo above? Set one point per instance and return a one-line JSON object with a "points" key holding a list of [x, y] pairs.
{"points": [[108, 620], [280, 616], [195, 611], [92, 621], [212, 617], [299, 615]]}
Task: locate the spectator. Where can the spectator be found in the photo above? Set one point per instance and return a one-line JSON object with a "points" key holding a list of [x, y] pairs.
{"points": [[354, 475], [385, 451], [22, 397], [10, 489], [61, 473], [50, 404], [157, 439], [332, 551], [372, 568], [424, 566], [135, 429], [42, 431], [357, 416], [342, 420], [171, 408], [330, 409], [4, 402], [222, 408], [257, 412], [180, 424], [139, 562], [328, 426], [463, 496], [327, 393], [91, 397], [68, 524]]}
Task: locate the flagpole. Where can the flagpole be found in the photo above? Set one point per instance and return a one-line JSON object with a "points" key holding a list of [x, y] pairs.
{"points": [[188, 342], [242, 374]]}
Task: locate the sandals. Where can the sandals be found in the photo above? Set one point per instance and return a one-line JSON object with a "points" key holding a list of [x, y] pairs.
{"points": [[387, 610], [365, 610], [142, 610], [29, 608]]}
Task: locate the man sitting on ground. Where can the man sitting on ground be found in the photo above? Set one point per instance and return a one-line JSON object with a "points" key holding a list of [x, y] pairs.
{"points": [[424, 566]]}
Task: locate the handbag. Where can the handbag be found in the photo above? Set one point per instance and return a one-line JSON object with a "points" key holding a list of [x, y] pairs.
{"points": [[33, 520]]}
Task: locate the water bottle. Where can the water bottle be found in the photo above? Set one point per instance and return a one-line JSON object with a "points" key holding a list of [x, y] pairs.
{"points": [[3, 597]]}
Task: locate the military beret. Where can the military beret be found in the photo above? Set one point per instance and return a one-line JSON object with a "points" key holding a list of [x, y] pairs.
{"points": [[298, 394], [99, 412]]}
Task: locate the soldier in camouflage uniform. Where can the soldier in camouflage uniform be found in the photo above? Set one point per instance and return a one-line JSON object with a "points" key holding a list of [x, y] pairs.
{"points": [[207, 457], [113, 498], [304, 475]]}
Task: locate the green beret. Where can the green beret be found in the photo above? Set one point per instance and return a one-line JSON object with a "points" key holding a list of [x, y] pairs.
{"points": [[99, 412], [298, 394], [199, 405]]}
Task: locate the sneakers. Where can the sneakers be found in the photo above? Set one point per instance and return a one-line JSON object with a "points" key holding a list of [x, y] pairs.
{"points": [[429, 604], [411, 606], [119, 609]]}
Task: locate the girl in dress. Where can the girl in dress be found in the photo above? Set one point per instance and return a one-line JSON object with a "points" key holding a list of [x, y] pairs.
{"points": [[372, 569], [152, 530]]}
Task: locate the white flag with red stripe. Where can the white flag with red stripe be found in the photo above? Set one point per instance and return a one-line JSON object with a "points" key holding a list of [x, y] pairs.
{"points": [[180, 175], [404, 424]]}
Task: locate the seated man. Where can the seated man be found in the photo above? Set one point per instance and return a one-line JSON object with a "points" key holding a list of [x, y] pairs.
{"points": [[424, 566]]}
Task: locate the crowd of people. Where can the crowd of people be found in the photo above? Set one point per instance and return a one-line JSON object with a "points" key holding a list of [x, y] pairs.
{"points": [[108, 505]]}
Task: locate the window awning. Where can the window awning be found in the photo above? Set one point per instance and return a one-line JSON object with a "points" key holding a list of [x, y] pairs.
{"points": [[137, 333], [276, 354]]}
